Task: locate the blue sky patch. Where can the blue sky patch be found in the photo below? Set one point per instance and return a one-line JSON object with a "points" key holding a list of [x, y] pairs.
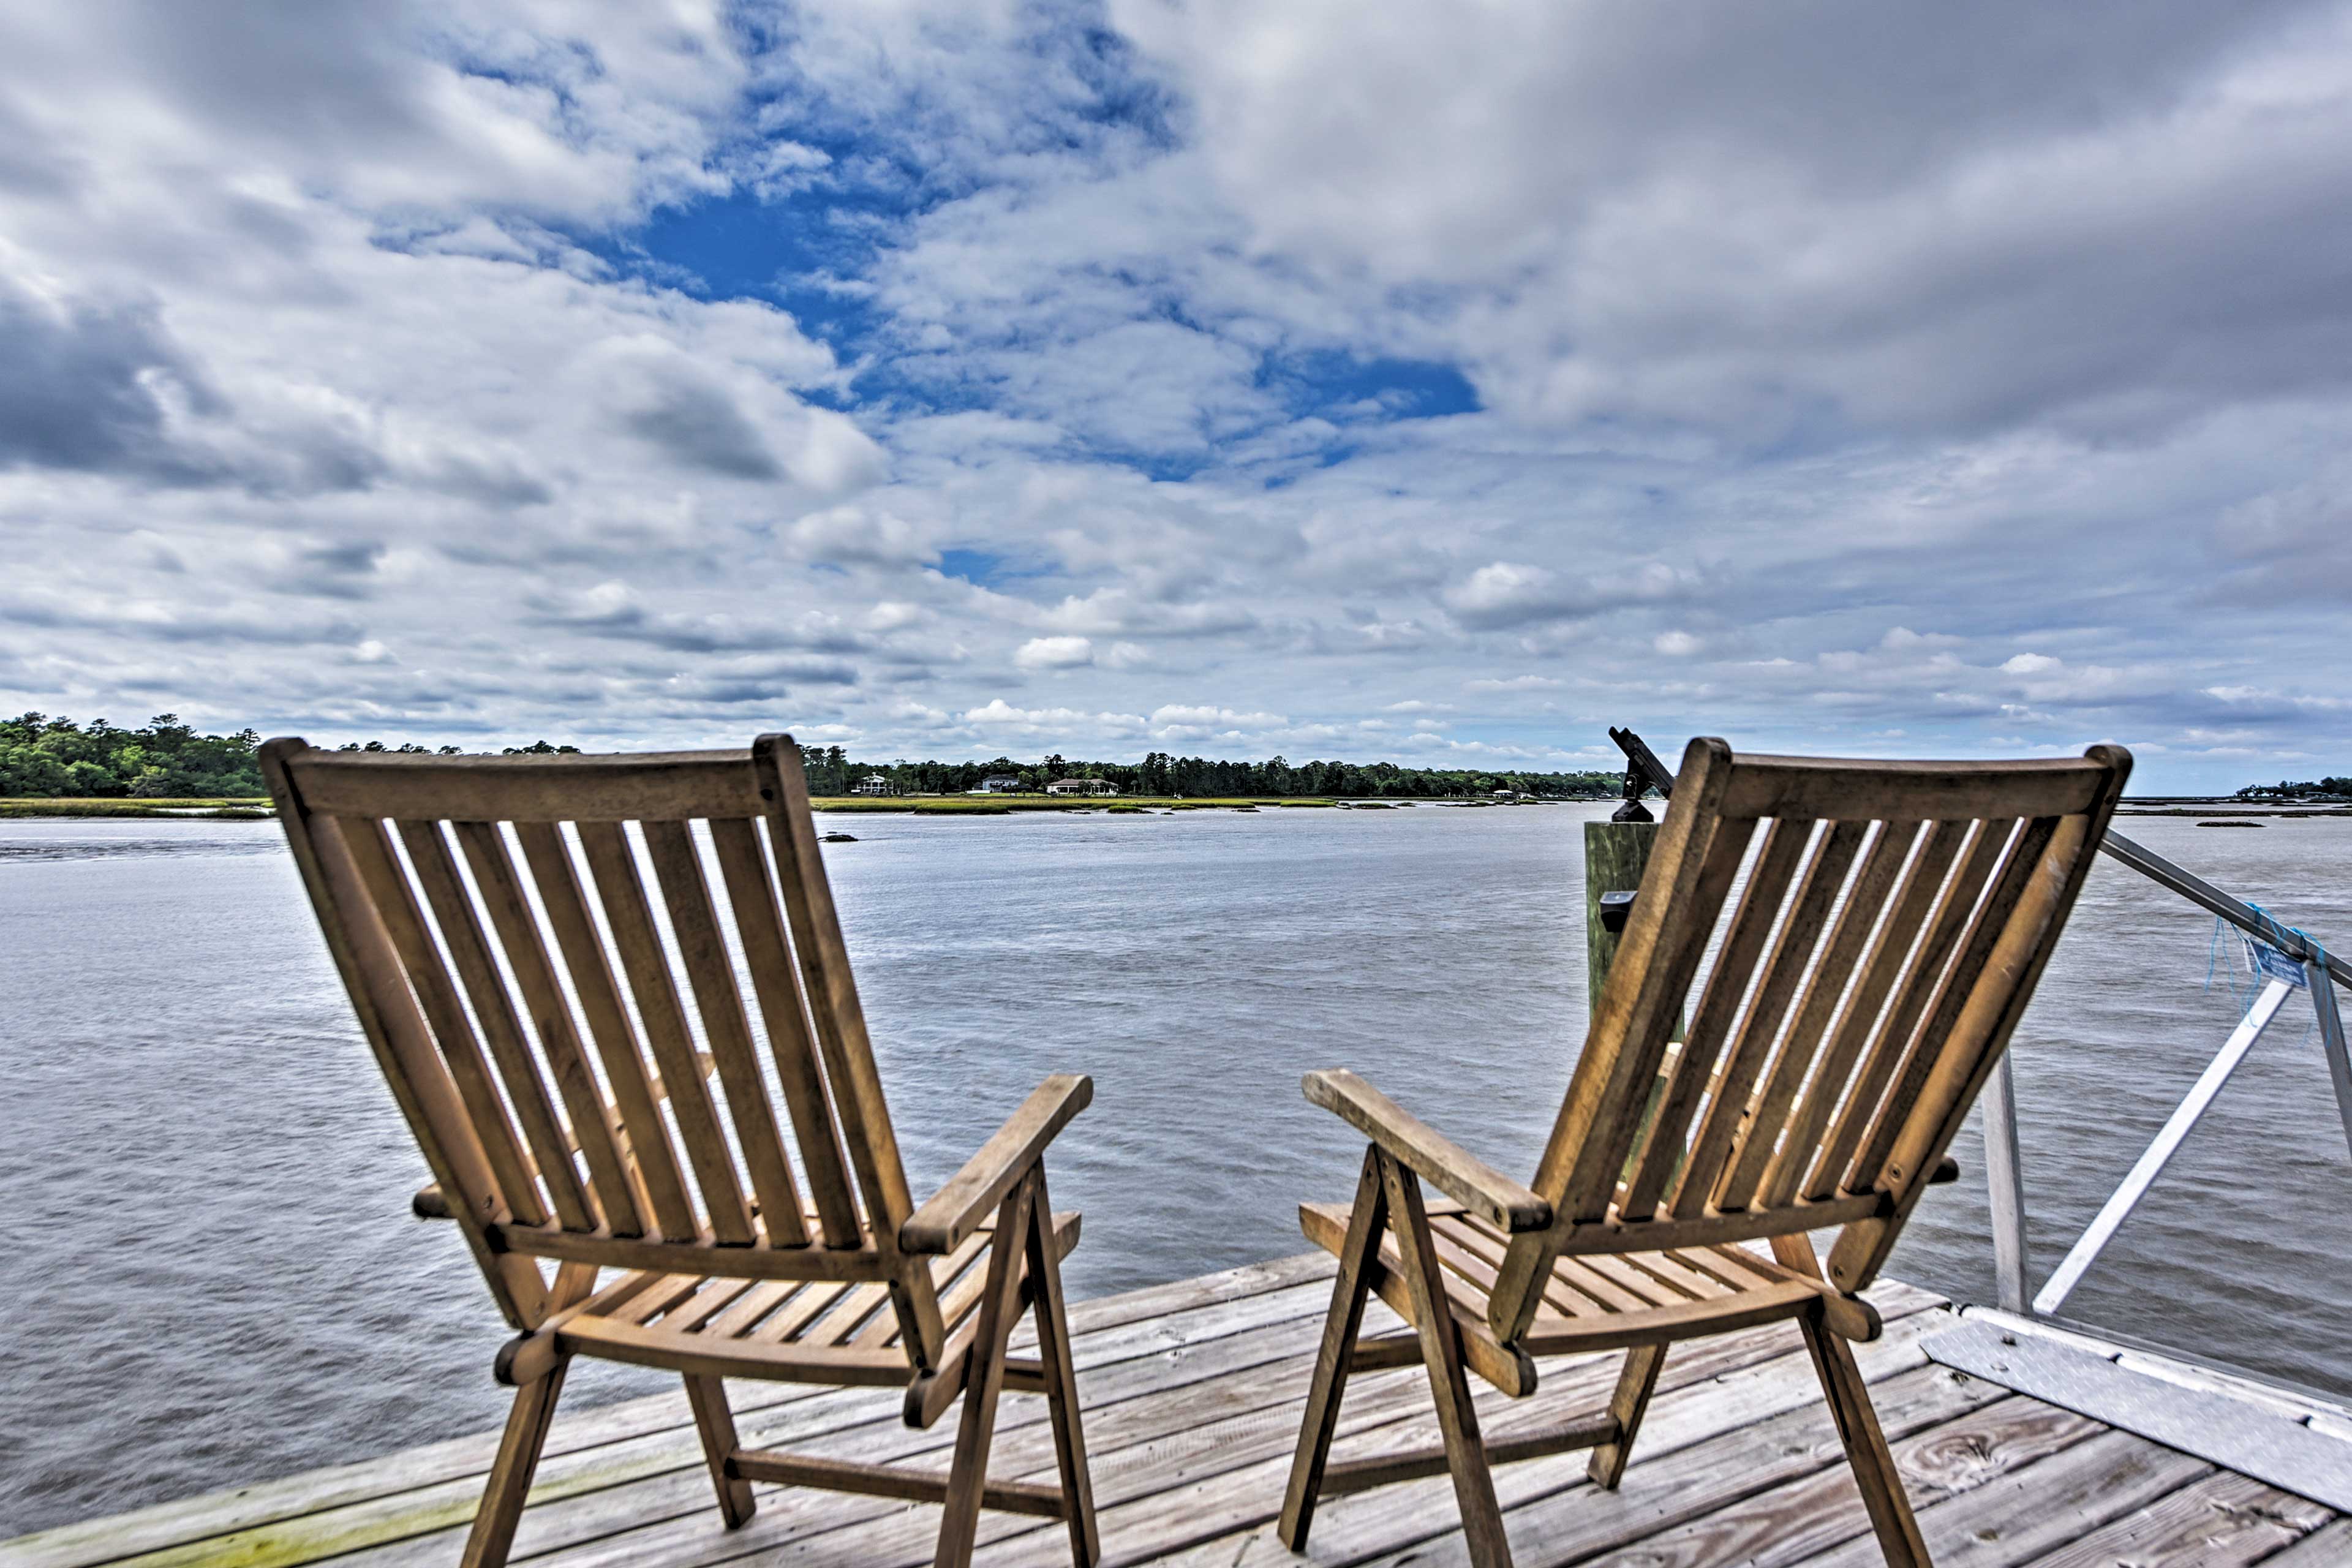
{"points": [[1342, 387]]}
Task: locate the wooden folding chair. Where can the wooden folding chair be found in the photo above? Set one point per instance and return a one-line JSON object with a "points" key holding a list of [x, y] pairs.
{"points": [[526, 986], [1892, 923]]}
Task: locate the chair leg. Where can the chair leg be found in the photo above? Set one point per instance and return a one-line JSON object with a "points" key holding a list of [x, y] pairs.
{"points": [[1628, 1404], [1061, 1380], [1449, 1384], [1366, 1222], [1000, 1307], [715, 1423], [511, 1472], [1865, 1448]]}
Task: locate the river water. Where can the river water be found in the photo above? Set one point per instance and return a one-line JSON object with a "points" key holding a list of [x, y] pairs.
{"points": [[214, 1277]]}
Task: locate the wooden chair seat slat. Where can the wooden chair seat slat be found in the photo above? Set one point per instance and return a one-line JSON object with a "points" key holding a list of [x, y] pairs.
{"points": [[714, 1298], [1682, 1310], [747, 1309], [716, 1308], [1581, 1275], [1889, 932], [668, 1161], [1565, 1294], [803, 1310], [666, 1291], [847, 1315]]}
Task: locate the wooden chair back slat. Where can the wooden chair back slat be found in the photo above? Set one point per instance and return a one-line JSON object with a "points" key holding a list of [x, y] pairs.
{"points": [[1779, 1108], [372, 856], [1718, 1008], [1982, 1028], [832, 989], [1795, 1170], [1922, 971], [1889, 932], [685, 894], [621, 890], [593, 1126], [776, 984], [435, 871], [652, 1160], [841, 1039], [1729, 1108], [1602, 1113], [2008, 886], [543, 998], [403, 1043], [648, 786]]}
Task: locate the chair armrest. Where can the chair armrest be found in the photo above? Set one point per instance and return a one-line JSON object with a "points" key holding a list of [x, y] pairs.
{"points": [[955, 1211], [1438, 1160]]}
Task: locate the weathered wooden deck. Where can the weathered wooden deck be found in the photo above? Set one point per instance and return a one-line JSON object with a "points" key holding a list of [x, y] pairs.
{"points": [[1193, 1393]]}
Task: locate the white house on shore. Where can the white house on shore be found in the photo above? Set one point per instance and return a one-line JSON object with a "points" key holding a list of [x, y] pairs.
{"points": [[998, 783], [874, 784], [1082, 787]]}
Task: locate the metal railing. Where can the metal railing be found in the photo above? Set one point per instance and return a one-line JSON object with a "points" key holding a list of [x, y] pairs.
{"points": [[2297, 963]]}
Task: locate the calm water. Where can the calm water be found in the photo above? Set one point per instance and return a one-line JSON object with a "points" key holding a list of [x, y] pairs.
{"points": [[215, 1279]]}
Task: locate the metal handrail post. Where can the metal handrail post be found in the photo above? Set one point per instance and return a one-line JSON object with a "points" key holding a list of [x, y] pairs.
{"points": [[2005, 1187], [2331, 1039]]}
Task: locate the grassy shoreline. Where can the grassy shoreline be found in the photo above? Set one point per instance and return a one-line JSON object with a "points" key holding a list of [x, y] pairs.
{"points": [[223, 808]]}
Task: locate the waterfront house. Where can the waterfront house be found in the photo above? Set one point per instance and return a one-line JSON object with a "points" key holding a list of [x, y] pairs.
{"points": [[1082, 787], [1000, 783], [874, 784]]}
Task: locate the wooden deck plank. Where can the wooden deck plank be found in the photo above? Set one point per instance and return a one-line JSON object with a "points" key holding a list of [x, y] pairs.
{"points": [[659, 1475], [1167, 1438], [1243, 1498], [187, 1521], [1806, 1514], [2034, 1511], [1191, 1393], [2329, 1546], [2224, 1519], [1703, 1456]]}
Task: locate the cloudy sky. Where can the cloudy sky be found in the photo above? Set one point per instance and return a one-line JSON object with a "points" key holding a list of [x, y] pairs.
{"points": [[1440, 384]]}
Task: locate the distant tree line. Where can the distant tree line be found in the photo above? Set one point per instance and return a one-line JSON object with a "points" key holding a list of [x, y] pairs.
{"points": [[45, 756], [831, 771], [2309, 789]]}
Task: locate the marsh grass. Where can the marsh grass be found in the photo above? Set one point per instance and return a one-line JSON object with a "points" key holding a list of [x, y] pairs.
{"points": [[227, 808]]}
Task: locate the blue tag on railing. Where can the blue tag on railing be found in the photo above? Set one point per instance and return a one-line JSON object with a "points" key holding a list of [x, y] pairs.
{"points": [[2270, 963]]}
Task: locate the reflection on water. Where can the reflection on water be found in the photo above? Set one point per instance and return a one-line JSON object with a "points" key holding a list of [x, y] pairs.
{"points": [[218, 1281]]}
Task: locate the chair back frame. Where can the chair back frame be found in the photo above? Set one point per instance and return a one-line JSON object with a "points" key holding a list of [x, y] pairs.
{"points": [[586, 1131], [1895, 920]]}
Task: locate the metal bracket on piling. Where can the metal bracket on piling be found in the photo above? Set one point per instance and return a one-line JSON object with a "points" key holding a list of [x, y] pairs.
{"points": [[1644, 772]]}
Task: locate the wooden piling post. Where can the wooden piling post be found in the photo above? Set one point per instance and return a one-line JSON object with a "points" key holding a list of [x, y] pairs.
{"points": [[1614, 856]]}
